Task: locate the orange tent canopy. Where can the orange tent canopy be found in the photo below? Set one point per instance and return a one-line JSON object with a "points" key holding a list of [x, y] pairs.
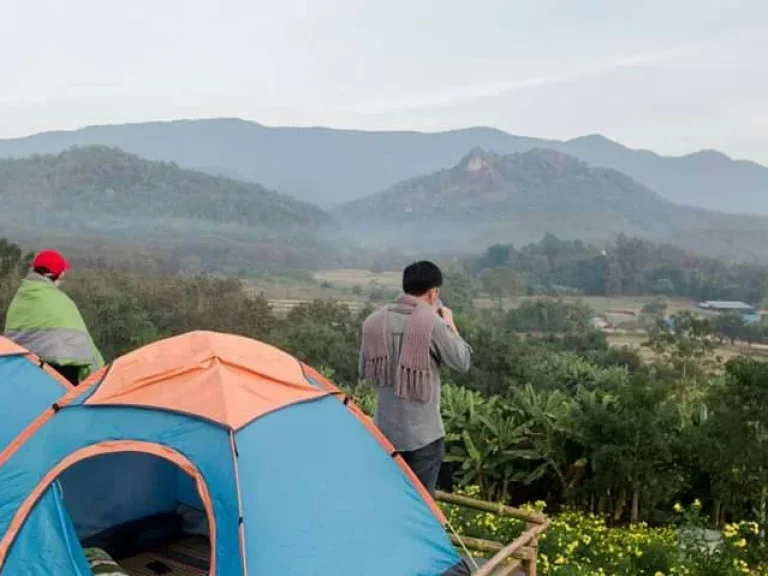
{"points": [[220, 377], [10, 348]]}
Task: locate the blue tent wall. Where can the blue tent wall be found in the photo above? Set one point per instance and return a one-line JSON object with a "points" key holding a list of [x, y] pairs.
{"points": [[26, 391], [54, 549], [73, 428], [130, 486], [320, 496]]}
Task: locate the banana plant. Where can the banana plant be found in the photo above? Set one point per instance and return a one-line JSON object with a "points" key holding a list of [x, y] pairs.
{"points": [[547, 413]]}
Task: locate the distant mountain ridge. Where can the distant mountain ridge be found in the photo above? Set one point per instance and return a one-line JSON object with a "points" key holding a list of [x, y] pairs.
{"points": [[328, 166], [490, 198], [101, 181], [99, 192]]}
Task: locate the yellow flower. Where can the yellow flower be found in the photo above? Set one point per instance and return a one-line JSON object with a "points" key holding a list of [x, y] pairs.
{"points": [[740, 543], [659, 574], [678, 507], [697, 503]]}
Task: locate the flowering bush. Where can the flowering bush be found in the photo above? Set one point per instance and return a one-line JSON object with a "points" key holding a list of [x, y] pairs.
{"points": [[578, 544], [482, 525]]}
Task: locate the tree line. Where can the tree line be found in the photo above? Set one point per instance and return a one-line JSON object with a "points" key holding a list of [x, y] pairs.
{"points": [[627, 266]]}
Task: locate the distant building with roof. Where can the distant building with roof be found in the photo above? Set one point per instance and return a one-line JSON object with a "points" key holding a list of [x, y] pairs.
{"points": [[751, 314]]}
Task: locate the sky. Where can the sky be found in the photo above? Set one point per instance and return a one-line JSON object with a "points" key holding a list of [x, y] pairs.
{"points": [[674, 76]]}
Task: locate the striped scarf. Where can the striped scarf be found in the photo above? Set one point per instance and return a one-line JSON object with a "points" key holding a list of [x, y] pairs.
{"points": [[413, 379]]}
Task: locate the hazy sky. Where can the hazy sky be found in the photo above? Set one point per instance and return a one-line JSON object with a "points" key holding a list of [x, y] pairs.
{"points": [[671, 75]]}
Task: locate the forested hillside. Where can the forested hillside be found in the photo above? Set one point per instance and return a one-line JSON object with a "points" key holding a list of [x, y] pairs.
{"points": [[95, 182], [491, 198], [84, 195]]}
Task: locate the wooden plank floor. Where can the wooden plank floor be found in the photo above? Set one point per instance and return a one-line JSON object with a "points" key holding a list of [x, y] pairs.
{"points": [[183, 558]]}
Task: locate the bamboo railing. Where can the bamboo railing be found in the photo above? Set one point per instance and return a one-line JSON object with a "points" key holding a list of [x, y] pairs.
{"points": [[520, 554]]}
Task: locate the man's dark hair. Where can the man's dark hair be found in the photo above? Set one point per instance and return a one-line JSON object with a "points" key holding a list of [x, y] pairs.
{"points": [[420, 277], [43, 271]]}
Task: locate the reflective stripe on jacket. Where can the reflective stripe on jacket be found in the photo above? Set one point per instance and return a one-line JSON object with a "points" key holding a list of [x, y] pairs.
{"points": [[46, 321]]}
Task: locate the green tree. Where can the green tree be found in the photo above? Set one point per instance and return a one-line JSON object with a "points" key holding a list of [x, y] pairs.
{"points": [[685, 344], [548, 417], [458, 290], [656, 307], [630, 442], [322, 334], [738, 435], [14, 263], [730, 325], [663, 286], [545, 315]]}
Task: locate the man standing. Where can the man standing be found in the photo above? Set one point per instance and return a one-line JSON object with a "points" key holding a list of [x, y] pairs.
{"points": [[45, 321], [404, 346]]}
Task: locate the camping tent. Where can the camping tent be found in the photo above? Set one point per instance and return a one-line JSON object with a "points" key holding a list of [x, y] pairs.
{"points": [[226, 438], [28, 387]]}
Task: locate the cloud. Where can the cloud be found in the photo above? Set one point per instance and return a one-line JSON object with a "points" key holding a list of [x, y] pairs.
{"points": [[449, 96]]}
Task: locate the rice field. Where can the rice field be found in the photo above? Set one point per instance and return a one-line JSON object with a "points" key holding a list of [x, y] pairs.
{"points": [[361, 278]]}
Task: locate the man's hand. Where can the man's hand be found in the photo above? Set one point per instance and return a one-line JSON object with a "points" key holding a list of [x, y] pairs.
{"points": [[447, 315]]}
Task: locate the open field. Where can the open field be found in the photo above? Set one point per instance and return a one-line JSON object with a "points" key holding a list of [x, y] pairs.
{"points": [[356, 285], [361, 278], [300, 287], [353, 285], [724, 352], [627, 305]]}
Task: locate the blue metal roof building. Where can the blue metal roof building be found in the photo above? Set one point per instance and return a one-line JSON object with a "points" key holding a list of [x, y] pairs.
{"points": [[751, 314]]}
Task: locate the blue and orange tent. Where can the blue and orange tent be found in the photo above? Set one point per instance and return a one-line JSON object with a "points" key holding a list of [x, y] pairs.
{"points": [[283, 473], [28, 387]]}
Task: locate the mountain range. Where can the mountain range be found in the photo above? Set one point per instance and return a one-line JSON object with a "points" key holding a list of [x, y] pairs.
{"points": [[329, 167], [490, 198]]}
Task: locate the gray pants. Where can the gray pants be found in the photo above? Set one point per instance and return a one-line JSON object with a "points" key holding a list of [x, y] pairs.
{"points": [[425, 463]]}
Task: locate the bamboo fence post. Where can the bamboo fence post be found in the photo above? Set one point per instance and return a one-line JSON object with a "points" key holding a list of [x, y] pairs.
{"points": [[499, 509], [509, 549], [477, 544], [531, 565], [521, 552], [509, 569]]}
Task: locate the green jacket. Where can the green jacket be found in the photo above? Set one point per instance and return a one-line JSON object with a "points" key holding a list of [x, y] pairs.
{"points": [[45, 321]]}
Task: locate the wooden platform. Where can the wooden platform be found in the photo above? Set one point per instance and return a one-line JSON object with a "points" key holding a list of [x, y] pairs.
{"points": [[188, 557]]}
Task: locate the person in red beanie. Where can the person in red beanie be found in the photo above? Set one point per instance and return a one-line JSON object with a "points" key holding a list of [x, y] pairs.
{"points": [[46, 321]]}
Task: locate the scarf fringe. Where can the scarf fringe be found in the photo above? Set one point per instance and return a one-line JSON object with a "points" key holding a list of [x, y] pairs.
{"points": [[377, 371], [413, 384]]}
